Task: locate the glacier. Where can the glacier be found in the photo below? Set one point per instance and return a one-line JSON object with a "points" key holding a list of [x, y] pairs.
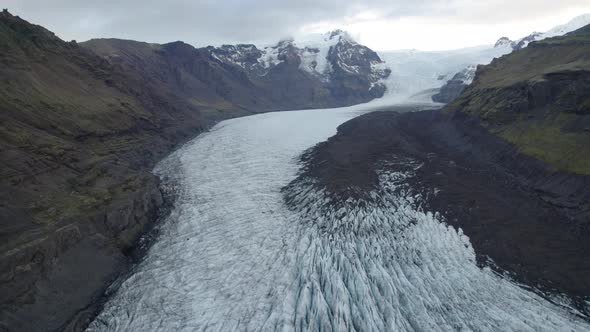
{"points": [[247, 248], [414, 72], [251, 244]]}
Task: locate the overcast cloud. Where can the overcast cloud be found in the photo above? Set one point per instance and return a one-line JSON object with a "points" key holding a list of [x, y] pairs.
{"points": [[380, 24]]}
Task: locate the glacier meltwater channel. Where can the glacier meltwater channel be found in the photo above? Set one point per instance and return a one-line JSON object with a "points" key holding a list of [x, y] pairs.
{"points": [[233, 256]]}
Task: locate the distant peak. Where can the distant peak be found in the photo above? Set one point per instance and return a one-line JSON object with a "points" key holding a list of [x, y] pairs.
{"points": [[335, 33], [285, 42], [503, 41], [6, 14], [574, 24], [340, 34]]}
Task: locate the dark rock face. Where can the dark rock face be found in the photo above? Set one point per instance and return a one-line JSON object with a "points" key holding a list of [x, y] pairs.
{"points": [[449, 92], [353, 74], [245, 55], [74, 263], [514, 209], [455, 86], [563, 92]]}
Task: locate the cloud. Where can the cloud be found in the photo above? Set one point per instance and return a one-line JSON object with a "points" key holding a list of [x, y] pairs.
{"points": [[204, 22]]}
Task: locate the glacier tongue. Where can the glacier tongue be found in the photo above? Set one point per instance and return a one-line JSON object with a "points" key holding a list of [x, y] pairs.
{"points": [[233, 256]]}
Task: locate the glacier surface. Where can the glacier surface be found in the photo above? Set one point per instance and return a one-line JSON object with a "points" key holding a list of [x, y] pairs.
{"points": [[414, 71], [233, 256]]}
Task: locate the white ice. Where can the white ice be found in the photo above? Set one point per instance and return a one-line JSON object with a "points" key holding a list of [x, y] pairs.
{"points": [[232, 256], [560, 30], [413, 72]]}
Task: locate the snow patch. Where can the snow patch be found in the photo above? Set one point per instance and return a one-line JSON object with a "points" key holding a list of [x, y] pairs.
{"points": [[575, 24]]}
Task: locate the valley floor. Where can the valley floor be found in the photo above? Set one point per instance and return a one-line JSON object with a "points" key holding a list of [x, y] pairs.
{"points": [[233, 255]]}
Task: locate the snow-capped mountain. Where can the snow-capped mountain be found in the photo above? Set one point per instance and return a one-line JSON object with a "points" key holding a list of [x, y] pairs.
{"points": [[503, 41], [560, 30], [329, 57]]}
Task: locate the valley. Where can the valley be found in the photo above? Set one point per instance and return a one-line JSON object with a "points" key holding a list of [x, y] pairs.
{"points": [[307, 184], [233, 256]]}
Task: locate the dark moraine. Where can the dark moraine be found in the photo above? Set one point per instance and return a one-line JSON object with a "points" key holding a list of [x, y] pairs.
{"points": [[521, 218]]}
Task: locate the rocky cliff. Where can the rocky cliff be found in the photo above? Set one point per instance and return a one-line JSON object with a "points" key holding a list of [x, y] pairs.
{"points": [[81, 126]]}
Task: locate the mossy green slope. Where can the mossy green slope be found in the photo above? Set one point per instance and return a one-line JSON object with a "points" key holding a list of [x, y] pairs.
{"points": [[538, 98], [78, 136]]}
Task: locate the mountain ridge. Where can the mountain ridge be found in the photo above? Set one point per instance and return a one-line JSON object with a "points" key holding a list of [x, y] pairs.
{"points": [[540, 88], [454, 87], [336, 70], [559, 30]]}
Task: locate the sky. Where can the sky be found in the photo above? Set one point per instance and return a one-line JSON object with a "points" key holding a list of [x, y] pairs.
{"points": [[380, 24]]}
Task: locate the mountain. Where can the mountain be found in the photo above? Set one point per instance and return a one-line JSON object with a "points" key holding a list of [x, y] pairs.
{"points": [[453, 88], [334, 58], [81, 126], [560, 30], [331, 71], [538, 98], [532, 108]]}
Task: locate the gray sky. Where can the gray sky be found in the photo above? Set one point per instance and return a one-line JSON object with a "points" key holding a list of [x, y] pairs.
{"points": [[379, 24]]}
